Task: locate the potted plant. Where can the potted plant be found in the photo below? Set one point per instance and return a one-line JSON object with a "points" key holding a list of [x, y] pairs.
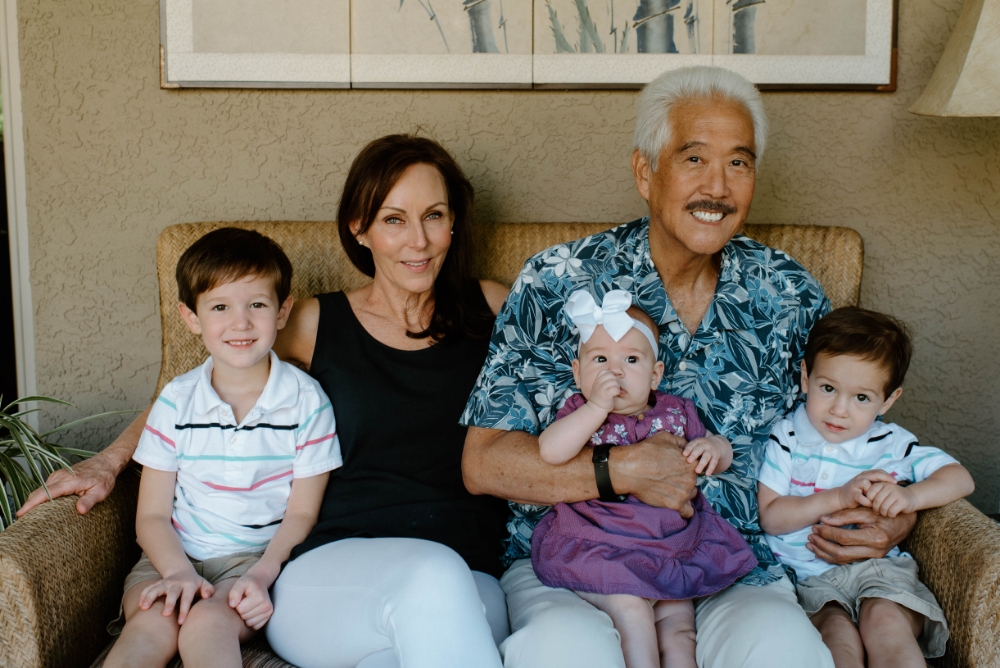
{"points": [[27, 457]]}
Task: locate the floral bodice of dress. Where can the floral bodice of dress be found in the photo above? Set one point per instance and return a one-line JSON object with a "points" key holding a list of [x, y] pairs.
{"points": [[667, 412]]}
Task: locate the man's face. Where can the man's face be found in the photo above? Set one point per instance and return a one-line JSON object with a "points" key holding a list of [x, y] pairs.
{"points": [[700, 194]]}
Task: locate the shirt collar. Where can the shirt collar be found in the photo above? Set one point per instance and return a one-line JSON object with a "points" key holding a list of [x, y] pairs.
{"points": [[280, 391]]}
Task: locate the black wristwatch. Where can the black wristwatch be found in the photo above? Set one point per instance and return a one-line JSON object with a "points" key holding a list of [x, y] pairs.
{"points": [[603, 475]]}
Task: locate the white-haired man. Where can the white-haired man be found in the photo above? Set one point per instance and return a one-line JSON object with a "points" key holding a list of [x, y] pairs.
{"points": [[734, 317]]}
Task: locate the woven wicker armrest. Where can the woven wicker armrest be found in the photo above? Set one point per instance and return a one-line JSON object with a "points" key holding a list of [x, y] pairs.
{"points": [[958, 551], [61, 575]]}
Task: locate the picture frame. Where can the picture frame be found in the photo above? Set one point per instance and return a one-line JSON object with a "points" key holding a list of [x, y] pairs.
{"points": [[524, 44]]}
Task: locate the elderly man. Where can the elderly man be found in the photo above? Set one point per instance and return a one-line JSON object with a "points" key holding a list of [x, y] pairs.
{"points": [[734, 316]]}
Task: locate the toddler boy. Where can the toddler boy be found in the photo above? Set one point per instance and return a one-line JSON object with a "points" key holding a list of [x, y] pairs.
{"points": [[833, 453], [236, 456]]}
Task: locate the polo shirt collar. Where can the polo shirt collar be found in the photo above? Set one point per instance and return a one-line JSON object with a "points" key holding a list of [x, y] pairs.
{"points": [[280, 391], [807, 435]]}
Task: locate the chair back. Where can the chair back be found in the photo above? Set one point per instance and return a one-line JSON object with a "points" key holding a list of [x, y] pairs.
{"points": [[834, 255]]}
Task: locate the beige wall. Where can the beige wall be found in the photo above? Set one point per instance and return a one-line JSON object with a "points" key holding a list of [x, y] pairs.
{"points": [[112, 159]]}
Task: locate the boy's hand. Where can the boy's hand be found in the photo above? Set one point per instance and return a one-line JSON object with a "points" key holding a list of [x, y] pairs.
{"points": [[891, 500], [604, 391], [709, 451], [855, 492], [250, 599], [176, 588]]}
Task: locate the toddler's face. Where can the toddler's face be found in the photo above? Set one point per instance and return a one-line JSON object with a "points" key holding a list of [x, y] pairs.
{"points": [[845, 395], [238, 321], [629, 360]]}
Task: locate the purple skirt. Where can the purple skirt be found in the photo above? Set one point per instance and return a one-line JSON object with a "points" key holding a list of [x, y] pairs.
{"points": [[632, 548]]}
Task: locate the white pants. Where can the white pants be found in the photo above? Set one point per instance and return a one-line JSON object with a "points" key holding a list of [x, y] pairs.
{"points": [[742, 626], [386, 603]]}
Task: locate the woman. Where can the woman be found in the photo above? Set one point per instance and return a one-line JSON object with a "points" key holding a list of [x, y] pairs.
{"points": [[400, 568], [386, 571]]}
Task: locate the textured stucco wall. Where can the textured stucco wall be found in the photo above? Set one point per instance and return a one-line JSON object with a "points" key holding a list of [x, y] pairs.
{"points": [[112, 159]]}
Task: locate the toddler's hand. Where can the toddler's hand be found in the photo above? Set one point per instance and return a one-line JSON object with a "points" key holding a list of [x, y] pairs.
{"points": [[890, 500], [711, 452], [180, 590], [854, 493], [250, 599], [604, 391]]}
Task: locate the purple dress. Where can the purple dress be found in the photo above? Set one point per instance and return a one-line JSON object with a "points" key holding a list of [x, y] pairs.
{"points": [[632, 548]]}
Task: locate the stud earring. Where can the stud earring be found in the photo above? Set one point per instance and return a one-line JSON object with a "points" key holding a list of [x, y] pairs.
{"points": [[453, 233]]}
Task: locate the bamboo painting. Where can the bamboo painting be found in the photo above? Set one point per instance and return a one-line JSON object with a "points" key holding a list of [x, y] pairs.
{"points": [[653, 23]]}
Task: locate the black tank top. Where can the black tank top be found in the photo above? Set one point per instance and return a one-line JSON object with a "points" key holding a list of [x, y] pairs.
{"points": [[397, 417]]}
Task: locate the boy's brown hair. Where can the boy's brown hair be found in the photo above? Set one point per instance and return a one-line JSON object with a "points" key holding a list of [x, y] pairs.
{"points": [[229, 254], [872, 336]]}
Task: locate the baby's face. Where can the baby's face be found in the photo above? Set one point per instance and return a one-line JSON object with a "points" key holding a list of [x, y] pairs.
{"points": [[629, 360], [845, 395]]}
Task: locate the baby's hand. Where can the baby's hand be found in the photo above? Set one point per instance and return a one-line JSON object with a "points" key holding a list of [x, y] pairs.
{"points": [[711, 452], [604, 391], [890, 500], [855, 492], [179, 589], [249, 597]]}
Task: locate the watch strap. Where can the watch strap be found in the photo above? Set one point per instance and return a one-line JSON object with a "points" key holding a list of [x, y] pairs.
{"points": [[602, 474]]}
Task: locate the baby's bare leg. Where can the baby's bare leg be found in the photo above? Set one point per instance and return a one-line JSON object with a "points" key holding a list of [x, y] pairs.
{"points": [[890, 634], [633, 618], [675, 633], [149, 638], [212, 633], [840, 635]]}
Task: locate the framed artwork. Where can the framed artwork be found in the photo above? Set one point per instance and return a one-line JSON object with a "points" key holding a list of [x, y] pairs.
{"points": [[777, 44]]}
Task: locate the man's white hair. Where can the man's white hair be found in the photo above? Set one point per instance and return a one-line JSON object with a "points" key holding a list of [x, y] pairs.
{"points": [[652, 123]]}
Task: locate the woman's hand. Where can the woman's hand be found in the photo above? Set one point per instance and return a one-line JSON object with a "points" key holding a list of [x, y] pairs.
{"points": [[250, 599], [714, 453], [179, 589], [874, 536]]}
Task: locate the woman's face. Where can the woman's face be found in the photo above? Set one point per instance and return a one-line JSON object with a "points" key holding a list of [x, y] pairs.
{"points": [[411, 233]]}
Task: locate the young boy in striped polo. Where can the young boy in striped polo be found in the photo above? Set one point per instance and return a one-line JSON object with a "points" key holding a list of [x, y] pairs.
{"points": [[236, 456], [834, 453]]}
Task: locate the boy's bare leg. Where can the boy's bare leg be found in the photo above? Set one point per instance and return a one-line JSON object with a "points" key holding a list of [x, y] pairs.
{"points": [[149, 638], [633, 618], [212, 633], [675, 633], [840, 635], [890, 634]]}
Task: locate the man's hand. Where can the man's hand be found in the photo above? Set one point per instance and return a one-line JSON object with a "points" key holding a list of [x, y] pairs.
{"points": [[250, 599], [178, 590], [874, 536], [93, 481], [656, 472]]}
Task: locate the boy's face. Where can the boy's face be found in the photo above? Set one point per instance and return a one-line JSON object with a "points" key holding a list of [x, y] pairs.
{"points": [[238, 321], [845, 395], [631, 362]]}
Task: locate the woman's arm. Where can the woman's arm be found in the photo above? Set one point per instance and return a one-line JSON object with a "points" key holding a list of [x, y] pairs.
{"points": [[495, 294], [296, 341], [94, 478]]}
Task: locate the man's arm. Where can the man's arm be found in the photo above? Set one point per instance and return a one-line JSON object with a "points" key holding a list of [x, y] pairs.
{"points": [[874, 536], [508, 464], [95, 477]]}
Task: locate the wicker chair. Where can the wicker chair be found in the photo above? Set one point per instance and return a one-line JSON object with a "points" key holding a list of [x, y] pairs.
{"points": [[61, 574]]}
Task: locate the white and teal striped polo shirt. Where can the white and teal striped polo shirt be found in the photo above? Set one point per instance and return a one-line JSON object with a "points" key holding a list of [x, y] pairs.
{"points": [[800, 462], [233, 480]]}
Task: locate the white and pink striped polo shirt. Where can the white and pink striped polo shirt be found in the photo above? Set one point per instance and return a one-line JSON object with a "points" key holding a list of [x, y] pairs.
{"points": [[233, 480]]}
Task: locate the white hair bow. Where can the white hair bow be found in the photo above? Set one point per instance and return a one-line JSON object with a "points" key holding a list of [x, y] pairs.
{"points": [[584, 312]]}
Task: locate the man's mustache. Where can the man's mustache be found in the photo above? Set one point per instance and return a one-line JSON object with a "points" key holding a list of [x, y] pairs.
{"points": [[715, 206]]}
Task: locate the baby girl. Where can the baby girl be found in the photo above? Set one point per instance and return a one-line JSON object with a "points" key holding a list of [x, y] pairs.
{"points": [[639, 564]]}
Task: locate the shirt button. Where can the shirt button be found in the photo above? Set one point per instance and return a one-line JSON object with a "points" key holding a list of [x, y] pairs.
{"points": [[825, 476], [683, 366], [233, 439], [829, 448]]}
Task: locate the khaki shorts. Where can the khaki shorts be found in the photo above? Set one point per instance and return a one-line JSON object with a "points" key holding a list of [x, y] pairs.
{"points": [[894, 579], [214, 570]]}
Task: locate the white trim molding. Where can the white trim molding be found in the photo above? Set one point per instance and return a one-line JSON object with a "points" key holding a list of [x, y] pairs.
{"points": [[17, 208]]}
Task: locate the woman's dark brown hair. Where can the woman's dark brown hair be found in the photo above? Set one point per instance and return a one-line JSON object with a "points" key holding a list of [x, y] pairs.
{"points": [[459, 305]]}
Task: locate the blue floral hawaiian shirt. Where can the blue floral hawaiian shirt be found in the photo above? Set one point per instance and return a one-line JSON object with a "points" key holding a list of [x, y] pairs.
{"points": [[740, 368]]}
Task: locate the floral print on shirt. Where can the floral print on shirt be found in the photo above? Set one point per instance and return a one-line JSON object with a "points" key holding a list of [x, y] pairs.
{"points": [[740, 368]]}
